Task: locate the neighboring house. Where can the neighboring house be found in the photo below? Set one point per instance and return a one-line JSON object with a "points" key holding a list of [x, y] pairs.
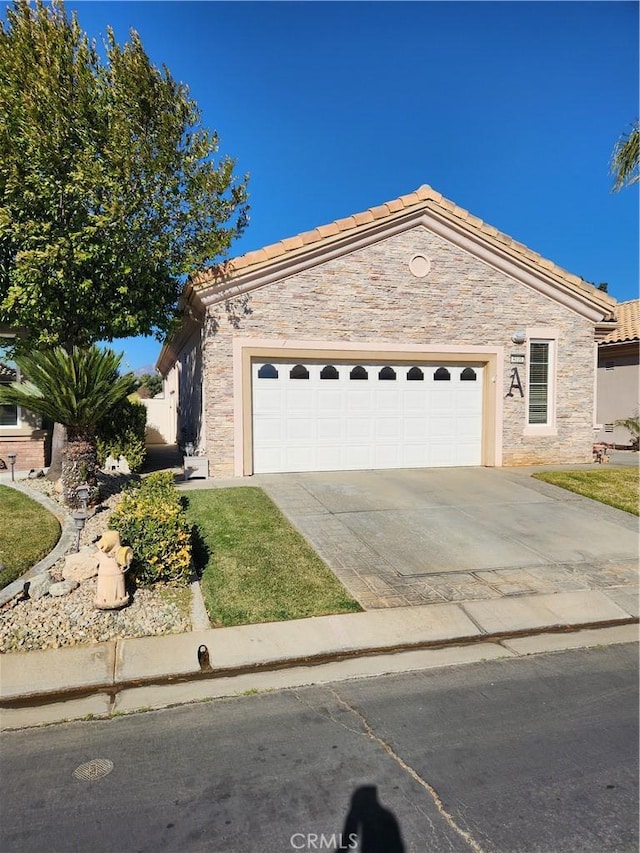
{"points": [[20, 431], [410, 335], [619, 375]]}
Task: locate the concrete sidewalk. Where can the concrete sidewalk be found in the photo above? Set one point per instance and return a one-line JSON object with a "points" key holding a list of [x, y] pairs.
{"points": [[150, 672]]}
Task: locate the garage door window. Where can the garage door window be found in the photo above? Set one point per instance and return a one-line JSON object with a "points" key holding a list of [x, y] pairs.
{"points": [[387, 373], [329, 372], [299, 372], [442, 375], [468, 375], [267, 371], [358, 373], [415, 375]]}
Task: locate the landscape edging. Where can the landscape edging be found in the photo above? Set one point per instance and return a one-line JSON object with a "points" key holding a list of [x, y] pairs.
{"points": [[64, 544]]}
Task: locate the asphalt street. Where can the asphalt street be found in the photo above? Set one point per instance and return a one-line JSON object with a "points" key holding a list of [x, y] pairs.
{"points": [[526, 755]]}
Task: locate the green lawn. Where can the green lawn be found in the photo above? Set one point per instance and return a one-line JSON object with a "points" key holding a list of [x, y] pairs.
{"points": [[255, 566], [618, 487], [27, 533]]}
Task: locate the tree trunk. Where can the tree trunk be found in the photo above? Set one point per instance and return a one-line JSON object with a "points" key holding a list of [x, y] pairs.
{"points": [[80, 466], [58, 444]]}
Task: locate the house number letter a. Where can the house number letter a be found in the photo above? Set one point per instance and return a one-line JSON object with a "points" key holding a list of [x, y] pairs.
{"points": [[515, 383]]}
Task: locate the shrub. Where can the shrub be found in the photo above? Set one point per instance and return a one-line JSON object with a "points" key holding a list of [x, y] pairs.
{"points": [[150, 518], [122, 433]]}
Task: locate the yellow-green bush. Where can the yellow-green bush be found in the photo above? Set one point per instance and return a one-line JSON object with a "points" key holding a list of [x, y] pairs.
{"points": [[151, 520]]}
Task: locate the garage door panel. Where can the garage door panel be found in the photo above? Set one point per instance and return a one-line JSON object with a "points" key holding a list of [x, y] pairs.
{"points": [[359, 456], [266, 401], [329, 459], [413, 429], [442, 401], [359, 400], [350, 424], [388, 400], [266, 430], [387, 457], [299, 400], [442, 454], [466, 427], [442, 427], [330, 429], [301, 429], [359, 429], [330, 400], [388, 429]]}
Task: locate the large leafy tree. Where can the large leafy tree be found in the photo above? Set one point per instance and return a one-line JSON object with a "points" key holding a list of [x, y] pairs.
{"points": [[110, 188], [76, 388], [625, 162]]}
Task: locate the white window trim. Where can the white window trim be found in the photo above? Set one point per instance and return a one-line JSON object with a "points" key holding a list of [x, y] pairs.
{"points": [[550, 335], [19, 419]]}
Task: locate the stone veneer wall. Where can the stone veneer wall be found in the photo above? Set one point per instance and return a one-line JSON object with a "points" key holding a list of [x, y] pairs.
{"points": [[370, 296]]}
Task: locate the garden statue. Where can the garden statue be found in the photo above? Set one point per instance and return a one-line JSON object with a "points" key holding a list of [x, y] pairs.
{"points": [[113, 561]]}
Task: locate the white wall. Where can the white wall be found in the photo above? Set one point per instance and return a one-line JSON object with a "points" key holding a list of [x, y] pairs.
{"points": [[161, 418]]}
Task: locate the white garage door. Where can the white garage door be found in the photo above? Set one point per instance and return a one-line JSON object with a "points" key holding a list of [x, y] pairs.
{"points": [[344, 416]]}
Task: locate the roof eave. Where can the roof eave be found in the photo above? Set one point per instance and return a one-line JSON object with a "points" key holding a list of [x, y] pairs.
{"points": [[497, 251]]}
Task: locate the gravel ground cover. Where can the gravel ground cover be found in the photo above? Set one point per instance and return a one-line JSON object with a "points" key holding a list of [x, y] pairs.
{"points": [[48, 622]]}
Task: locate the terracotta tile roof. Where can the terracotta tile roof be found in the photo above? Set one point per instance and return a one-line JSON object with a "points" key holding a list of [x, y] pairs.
{"points": [[628, 317], [424, 198]]}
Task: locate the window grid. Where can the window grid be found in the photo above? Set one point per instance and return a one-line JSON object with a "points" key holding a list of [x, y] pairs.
{"points": [[539, 361], [9, 416]]}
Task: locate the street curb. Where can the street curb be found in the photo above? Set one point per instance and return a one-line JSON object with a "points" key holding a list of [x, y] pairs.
{"points": [[112, 687], [64, 544]]}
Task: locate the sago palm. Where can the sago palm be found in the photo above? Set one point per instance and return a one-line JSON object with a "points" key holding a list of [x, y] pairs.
{"points": [[77, 389], [632, 425]]}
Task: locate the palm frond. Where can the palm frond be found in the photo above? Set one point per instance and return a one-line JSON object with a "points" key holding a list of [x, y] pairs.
{"points": [[625, 161], [75, 388]]}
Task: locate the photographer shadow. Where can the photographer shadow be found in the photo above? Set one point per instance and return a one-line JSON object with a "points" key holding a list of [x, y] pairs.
{"points": [[369, 827]]}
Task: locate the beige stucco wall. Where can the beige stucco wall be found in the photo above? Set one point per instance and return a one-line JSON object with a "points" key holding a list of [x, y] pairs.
{"points": [[370, 296], [618, 389]]}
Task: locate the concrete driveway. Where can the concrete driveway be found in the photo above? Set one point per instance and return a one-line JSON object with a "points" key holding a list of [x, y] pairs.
{"points": [[404, 537]]}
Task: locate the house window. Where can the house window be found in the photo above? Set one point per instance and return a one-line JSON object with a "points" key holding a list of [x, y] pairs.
{"points": [[387, 373], [267, 371], [8, 373], [540, 355], [358, 373], [415, 375], [329, 372], [442, 375], [468, 375], [299, 372]]}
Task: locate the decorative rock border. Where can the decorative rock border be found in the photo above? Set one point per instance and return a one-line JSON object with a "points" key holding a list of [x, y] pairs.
{"points": [[65, 542]]}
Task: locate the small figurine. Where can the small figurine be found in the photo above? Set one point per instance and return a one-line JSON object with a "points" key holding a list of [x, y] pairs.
{"points": [[113, 561]]}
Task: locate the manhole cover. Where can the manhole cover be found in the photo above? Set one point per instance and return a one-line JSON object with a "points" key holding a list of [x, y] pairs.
{"points": [[97, 768]]}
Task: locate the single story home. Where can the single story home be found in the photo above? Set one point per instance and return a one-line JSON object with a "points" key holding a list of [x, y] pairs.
{"points": [[410, 335], [619, 375]]}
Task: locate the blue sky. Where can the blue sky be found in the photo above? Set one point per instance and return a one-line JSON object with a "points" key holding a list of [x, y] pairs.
{"points": [[510, 109]]}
